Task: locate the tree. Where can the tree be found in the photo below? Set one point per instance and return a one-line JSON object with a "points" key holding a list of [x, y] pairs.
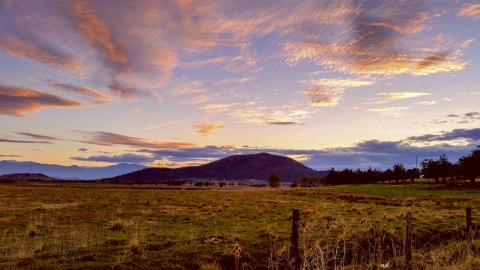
{"points": [[274, 180], [470, 165], [444, 166], [412, 174], [332, 177], [430, 169], [399, 172]]}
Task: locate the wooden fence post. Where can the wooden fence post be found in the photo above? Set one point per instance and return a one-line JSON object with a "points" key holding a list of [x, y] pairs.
{"points": [[295, 259], [469, 227], [407, 241]]}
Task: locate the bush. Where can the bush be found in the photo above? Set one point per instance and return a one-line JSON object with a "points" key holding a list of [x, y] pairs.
{"points": [[274, 180]]}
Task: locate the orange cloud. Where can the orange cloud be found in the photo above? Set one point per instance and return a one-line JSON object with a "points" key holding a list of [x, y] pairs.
{"points": [[14, 45], [96, 31], [91, 94], [381, 42], [206, 128], [323, 97], [16, 101], [130, 93], [470, 10], [330, 91], [217, 108], [110, 139]]}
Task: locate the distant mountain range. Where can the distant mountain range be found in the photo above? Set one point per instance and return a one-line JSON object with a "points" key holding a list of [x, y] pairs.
{"points": [[67, 172], [256, 166]]}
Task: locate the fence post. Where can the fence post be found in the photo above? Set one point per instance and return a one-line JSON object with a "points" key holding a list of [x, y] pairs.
{"points": [[295, 259], [407, 241], [469, 227]]}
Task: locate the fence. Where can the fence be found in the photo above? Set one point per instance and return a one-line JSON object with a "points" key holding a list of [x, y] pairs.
{"points": [[295, 259]]}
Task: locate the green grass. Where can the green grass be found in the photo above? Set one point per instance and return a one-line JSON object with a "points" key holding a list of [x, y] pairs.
{"points": [[113, 226]]}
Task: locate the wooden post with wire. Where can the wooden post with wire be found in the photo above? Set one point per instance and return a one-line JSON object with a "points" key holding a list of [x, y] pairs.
{"points": [[469, 227], [295, 258], [407, 241]]}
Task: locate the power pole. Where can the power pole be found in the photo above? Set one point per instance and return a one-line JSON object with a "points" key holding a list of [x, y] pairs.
{"points": [[416, 163]]}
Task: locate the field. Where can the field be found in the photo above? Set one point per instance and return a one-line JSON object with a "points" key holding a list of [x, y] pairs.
{"points": [[77, 226]]}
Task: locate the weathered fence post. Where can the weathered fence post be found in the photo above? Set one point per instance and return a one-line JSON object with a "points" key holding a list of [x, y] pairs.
{"points": [[295, 259], [407, 241], [469, 228]]}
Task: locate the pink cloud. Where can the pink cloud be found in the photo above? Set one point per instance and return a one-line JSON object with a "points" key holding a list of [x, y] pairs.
{"points": [[91, 94], [17, 101]]}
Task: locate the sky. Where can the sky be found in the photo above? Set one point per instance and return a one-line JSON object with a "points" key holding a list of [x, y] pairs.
{"points": [[330, 83]]}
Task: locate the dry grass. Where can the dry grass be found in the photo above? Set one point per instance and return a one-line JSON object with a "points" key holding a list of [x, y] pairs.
{"points": [[118, 225], [109, 227]]}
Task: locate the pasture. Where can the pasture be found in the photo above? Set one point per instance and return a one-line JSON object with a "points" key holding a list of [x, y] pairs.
{"points": [[99, 226]]}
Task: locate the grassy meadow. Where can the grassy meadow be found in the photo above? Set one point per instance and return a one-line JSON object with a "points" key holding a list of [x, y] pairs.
{"points": [[98, 226]]}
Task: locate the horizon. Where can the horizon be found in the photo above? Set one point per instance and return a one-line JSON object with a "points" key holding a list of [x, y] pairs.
{"points": [[367, 83]]}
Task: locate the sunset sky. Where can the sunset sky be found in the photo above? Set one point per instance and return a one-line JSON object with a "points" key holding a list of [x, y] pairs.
{"points": [[342, 83]]}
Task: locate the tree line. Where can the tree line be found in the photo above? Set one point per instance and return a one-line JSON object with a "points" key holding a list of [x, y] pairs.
{"points": [[441, 169]]}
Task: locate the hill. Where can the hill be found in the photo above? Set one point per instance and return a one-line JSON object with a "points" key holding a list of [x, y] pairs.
{"points": [[255, 166], [67, 172], [28, 177]]}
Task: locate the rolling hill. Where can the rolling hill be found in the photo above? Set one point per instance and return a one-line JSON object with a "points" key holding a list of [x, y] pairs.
{"points": [[67, 172], [255, 166]]}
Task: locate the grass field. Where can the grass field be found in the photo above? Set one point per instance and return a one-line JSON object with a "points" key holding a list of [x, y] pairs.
{"points": [[98, 226]]}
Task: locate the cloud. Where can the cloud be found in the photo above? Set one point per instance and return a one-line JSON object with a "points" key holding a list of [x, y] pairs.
{"points": [[110, 139], [380, 38], [38, 136], [188, 87], [374, 153], [235, 80], [470, 10], [16, 101], [20, 141], [426, 103], [329, 91], [217, 107], [283, 123], [198, 99], [472, 114], [438, 62], [206, 128], [125, 158], [239, 62], [96, 32], [467, 117], [437, 122], [336, 83], [9, 155], [91, 94], [470, 135], [390, 111], [323, 97], [387, 97], [26, 47], [130, 93], [83, 149], [265, 115]]}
